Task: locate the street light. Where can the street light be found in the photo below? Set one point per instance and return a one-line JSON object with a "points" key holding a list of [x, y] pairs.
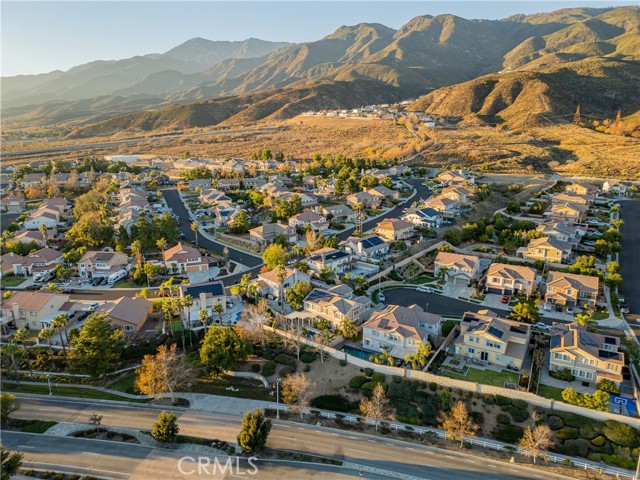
{"points": [[278, 398], [49, 382]]}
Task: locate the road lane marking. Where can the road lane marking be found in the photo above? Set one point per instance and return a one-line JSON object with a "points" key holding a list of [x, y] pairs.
{"points": [[300, 428], [286, 438], [353, 438], [429, 452], [390, 444], [372, 441], [450, 456], [283, 426], [83, 468], [335, 434], [470, 460], [90, 453], [492, 466], [410, 448], [26, 446], [359, 451]]}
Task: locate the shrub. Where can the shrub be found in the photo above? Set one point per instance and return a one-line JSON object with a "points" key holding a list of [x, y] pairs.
{"points": [[369, 386], [564, 374], [255, 368], [555, 422], [508, 433], [489, 399], [343, 363], [567, 433], [401, 391], [477, 417], [307, 368], [621, 434], [578, 447], [378, 378], [268, 369], [520, 404], [502, 401], [518, 415], [406, 412], [357, 381], [331, 402], [621, 461], [599, 441], [308, 357], [368, 371], [397, 379], [503, 419], [433, 386], [590, 432], [578, 421], [283, 359], [287, 370]]}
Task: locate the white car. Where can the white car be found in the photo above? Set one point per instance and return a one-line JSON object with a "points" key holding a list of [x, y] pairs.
{"points": [[424, 289], [542, 326], [93, 306], [381, 297]]}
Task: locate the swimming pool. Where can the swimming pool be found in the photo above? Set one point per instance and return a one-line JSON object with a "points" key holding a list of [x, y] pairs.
{"points": [[356, 352]]}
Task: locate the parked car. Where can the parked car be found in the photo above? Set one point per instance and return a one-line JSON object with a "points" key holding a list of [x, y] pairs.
{"points": [[93, 306], [547, 307], [34, 286], [505, 299], [589, 243], [424, 289], [558, 308], [569, 310], [624, 308], [542, 326], [381, 297]]}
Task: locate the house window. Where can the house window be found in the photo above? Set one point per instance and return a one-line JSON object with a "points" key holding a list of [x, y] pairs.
{"points": [[128, 328], [562, 357], [471, 350], [492, 344], [611, 366], [375, 333]]}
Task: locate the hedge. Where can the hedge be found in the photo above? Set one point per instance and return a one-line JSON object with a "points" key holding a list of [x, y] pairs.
{"points": [[378, 378], [503, 401], [575, 448], [268, 369], [283, 359], [599, 441], [567, 433], [255, 368], [357, 381], [369, 386], [308, 357], [621, 434], [555, 422], [518, 414], [508, 433], [368, 371], [331, 402], [503, 419]]}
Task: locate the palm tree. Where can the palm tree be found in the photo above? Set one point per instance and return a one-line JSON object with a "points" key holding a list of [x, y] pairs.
{"points": [[194, 229], [281, 274], [168, 307], [382, 358], [252, 291], [162, 245], [53, 287], [218, 309], [203, 316], [136, 251], [143, 293], [418, 360], [348, 329], [11, 349], [20, 337], [244, 282], [46, 334], [186, 303], [59, 322], [43, 231]]}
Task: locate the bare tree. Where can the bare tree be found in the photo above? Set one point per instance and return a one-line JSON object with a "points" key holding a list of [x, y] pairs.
{"points": [[256, 316], [95, 420], [536, 441], [458, 424], [377, 407], [161, 373], [296, 390]]}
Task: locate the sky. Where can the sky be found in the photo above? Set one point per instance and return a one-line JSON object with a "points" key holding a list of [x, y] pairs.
{"points": [[43, 36]]}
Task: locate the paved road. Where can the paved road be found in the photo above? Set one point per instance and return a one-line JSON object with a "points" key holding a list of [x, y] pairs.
{"points": [[376, 452], [128, 142], [6, 219], [630, 254]]}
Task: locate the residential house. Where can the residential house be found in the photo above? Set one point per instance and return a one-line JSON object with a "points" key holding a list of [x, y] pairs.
{"points": [[365, 200], [488, 339], [272, 285], [559, 231], [126, 313], [102, 264], [7, 261], [224, 213], [315, 221], [582, 188], [228, 184], [340, 213], [335, 308], [32, 179], [201, 183], [454, 178], [506, 279], [571, 198], [571, 290], [337, 260], [42, 216], [547, 249], [254, 183], [27, 309], [457, 268], [590, 357], [368, 248], [28, 236], [265, 234], [204, 296], [127, 219], [460, 194], [43, 260], [13, 204], [426, 217], [394, 229], [305, 199], [447, 207], [615, 187], [212, 196], [399, 330], [384, 193], [398, 170], [184, 258]]}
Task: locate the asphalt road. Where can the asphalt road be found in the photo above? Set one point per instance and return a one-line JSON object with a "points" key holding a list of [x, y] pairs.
{"points": [[630, 254], [6, 219], [372, 451]]}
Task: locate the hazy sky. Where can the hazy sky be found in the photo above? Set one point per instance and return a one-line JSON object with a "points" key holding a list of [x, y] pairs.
{"points": [[40, 37]]}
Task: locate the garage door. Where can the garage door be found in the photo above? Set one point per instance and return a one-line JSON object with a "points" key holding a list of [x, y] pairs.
{"points": [[461, 281], [494, 290]]}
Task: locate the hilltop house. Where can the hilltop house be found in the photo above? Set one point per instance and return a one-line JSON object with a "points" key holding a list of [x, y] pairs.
{"points": [[615, 187], [582, 188], [573, 212], [447, 207], [400, 329]]}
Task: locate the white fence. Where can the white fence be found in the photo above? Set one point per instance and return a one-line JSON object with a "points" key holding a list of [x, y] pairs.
{"points": [[482, 442]]}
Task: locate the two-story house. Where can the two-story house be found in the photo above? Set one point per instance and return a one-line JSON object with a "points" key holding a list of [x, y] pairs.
{"points": [[559, 231], [447, 207], [486, 338], [46, 216], [272, 286], [460, 194], [43, 260], [266, 233], [314, 220], [204, 296], [615, 187], [573, 212], [384, 193], [365, 200], [506, 279], [339, 213], [457, 268], [13, 204], [547, 249], [337, 260], [582, 188], [394, 229], [336, 308], [570, 197], [27, 309], [126, 313], [101, 264], [426, 217], [369, 248], [571, 290], [400, 329], [590, 357], [184, 258]]}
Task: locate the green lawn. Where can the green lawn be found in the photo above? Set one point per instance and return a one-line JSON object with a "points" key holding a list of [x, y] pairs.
{"points": [[11, 281], [126, 283], [124, 384], [447, 326], [600, 314], [487, 377], [32, 426], [423, 279], [550, 392], [67, 392]]}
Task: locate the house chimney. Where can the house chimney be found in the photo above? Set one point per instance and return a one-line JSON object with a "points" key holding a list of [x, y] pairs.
{"points": [[15, 307]]}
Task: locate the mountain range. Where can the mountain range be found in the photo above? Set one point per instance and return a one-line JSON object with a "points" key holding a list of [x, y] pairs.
{"points": [[524, 68]]}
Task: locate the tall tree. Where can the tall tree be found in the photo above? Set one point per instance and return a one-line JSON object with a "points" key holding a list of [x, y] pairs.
{"points": [[46, 334], [536, 441], [203, 316], [43, 231], [20, 337], [59, 323], [348, 329], [10, 350], [254, 431], [458, 424], [296, 390], [194, 229], [377, 407], [96, 349], [162, 373], [8, 405], [11, 463], [162, 245], [166, 428], [222, 349], [274, 256], [524, 312], [219, 309]]}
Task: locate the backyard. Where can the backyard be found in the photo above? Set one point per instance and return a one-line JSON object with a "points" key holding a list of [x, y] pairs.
{"points": [[487, 377]]}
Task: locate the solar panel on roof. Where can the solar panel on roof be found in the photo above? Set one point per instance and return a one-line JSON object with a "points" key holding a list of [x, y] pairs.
{"points": [[608, 354], [495, 332], [555, 341], [212, 288], [515, 329], [587, 340]]}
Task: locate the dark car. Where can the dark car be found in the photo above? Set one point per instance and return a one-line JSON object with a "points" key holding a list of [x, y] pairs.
{"points": [[68, 291], [34, 286], [558, 308]]}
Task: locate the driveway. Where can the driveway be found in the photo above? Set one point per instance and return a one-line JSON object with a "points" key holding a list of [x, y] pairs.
{"points": [[454, 291]]}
